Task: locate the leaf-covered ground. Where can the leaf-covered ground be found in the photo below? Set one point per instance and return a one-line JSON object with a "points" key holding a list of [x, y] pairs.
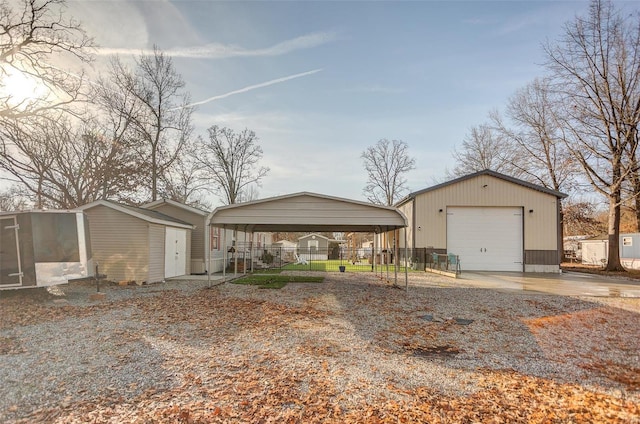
{"points": [[349, 350]]}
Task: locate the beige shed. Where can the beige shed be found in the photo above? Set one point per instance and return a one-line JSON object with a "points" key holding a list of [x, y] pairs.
{"points": [[198, 219], [135, 244], [492, 221]]}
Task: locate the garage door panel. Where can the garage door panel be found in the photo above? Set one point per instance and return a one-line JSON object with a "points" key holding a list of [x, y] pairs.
{"points": [[486, 239]]}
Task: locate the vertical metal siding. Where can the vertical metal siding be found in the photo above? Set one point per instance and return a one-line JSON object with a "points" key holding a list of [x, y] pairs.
{"points": [[540, 226]]}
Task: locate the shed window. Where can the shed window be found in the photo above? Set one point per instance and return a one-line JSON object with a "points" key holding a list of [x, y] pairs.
{"points": [[627, 241]]}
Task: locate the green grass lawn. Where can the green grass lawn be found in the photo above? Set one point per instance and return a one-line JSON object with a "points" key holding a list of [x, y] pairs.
{"points": [[276, 281], [334, 264]]}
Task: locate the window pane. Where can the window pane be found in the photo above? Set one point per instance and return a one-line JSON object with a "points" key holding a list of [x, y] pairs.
{"points": [[55, 237]]}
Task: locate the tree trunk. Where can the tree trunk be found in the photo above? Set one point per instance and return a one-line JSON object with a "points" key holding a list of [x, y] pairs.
{"points": [[154, 175], [613, 257]]}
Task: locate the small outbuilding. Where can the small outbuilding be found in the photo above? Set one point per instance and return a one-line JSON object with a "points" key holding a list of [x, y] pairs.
{"points": [[136, 244], [313, 247], [199, 237], [491, 221], [595, 250]]}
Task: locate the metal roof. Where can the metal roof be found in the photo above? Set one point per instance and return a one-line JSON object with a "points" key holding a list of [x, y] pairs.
{"points": [[307, 212], [484, 172]]}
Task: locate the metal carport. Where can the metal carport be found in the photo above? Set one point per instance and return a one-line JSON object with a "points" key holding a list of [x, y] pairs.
{"points": [[307, 212]]}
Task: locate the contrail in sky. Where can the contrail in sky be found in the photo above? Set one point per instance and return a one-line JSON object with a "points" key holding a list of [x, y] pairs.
{"points": [[251, 87]]}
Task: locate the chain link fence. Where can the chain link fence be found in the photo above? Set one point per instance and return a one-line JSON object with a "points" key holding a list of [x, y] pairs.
{"points": [[337, 259]]}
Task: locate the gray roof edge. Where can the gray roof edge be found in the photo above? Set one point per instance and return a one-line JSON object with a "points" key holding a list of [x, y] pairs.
{"points": [[299, 194], [491, 173], [156, 203], [144, 214]]}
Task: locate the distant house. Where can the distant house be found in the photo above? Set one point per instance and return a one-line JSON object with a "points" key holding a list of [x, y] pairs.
{"points": [[284, 249], [595, 250], [573, 248], [136, 244], [313, 247]]}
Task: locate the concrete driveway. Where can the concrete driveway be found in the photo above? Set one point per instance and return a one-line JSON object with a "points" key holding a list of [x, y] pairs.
{"points": [[565, 284]]}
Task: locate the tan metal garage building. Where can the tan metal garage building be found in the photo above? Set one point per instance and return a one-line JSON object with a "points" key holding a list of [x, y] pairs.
{"points": [[492, 221]]}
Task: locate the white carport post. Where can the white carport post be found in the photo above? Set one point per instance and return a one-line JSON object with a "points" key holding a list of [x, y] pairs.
{"points": [[406, 263], [224, 252], [373, 254], [208, 247], [244, 252], [251, 249], [395, 257], [235, 252]]}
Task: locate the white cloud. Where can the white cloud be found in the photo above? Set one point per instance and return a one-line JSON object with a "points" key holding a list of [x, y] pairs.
{"points": [[221, 51]]}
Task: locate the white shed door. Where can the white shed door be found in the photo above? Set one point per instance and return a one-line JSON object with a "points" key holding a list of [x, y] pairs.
{"points": [[175, 252], [486, 239]]}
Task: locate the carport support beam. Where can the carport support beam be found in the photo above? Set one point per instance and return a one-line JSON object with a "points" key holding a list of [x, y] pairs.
{"points": [[406, 263], [208, 265], [395, 257]]}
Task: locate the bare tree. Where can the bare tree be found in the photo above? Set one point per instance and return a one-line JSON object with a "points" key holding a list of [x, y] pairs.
{"points": [[186, 181], [632, 186], [31, 36], [581, 219], [386, 163], [232, 160], [482, 148], [596, 68], [13, 199], [65, 166], [149, 102], [539, 152]]}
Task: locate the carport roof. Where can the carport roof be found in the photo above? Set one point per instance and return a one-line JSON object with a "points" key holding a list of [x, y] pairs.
{"points": [[305, 212]]}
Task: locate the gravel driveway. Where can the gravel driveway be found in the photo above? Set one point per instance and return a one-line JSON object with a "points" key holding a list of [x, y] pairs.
{"points": [[350, 349]]}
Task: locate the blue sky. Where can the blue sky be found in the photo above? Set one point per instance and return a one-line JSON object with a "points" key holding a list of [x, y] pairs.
{"points": [[319, 82]]}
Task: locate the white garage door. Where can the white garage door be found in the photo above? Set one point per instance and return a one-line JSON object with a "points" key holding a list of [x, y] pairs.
{"points": [[175, 252], [486, 239]]}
